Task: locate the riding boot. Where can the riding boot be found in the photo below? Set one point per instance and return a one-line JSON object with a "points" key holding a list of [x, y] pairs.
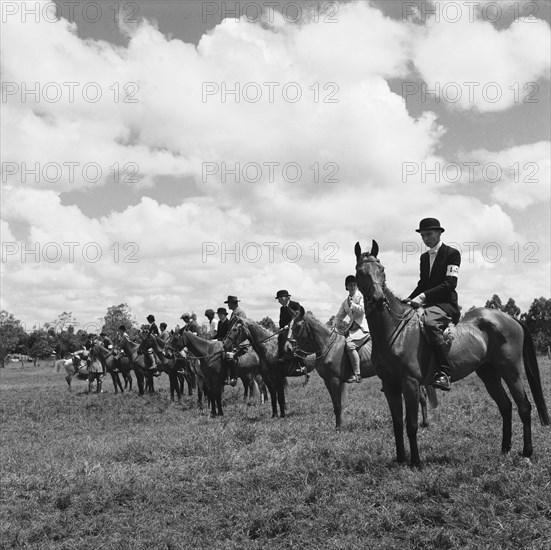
{"points": [[90, 386], [98, 386], [355, 361], [442, 377]]}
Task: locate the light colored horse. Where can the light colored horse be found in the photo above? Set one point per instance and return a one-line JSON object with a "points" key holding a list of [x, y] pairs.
{"points": [[72, 367]]}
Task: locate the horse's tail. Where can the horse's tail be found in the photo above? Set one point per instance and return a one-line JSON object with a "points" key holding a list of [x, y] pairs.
{"points": [[533, 374]]}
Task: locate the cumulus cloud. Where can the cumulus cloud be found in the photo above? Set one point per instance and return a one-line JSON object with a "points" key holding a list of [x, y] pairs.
{"points": [[468, 63], [349, 134]]}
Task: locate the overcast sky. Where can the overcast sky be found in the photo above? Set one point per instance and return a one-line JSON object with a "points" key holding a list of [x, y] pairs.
{"points": [[168, 154]]}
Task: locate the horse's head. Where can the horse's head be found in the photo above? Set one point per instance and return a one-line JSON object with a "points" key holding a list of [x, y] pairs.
{"points": [[237, 333], [370, 275], [297, 326]]}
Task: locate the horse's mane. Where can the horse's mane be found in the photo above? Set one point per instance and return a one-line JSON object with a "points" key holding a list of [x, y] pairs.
{"points": [[316, 322], [264, 332]]}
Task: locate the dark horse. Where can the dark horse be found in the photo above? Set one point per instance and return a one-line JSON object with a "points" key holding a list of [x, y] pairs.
{"points": [[138, 363], [307, 335], [265, 345], [488, 342], [170, 365], [209, 353], [110, 363]]}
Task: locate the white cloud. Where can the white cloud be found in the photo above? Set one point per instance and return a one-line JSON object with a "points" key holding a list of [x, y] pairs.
{"points": [[367, 135], [470, 64]]}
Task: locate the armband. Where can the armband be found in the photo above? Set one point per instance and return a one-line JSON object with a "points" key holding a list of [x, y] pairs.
{"points": [[452, 271]]}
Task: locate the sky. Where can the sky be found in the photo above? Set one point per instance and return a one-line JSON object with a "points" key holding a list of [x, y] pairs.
{"points": [[168, 154]]}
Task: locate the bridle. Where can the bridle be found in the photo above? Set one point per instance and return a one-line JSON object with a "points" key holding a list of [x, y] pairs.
{"points": [[403, 318], [298, 352]]}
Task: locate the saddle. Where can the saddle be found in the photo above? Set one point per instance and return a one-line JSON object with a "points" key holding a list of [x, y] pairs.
{"points": [[449, 333]]}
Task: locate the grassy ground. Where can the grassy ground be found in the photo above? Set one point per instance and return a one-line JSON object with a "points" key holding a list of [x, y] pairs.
{"points": [[122, 471]]}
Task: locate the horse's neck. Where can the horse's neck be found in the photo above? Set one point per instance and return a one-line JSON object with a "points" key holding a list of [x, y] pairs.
{"points": [[384, 324], [130, 347], [260, 338], [318, 336], [197, 345]]}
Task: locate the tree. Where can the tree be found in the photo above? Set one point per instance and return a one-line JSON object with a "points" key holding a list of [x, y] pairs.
{"points": [[511, 308], [39, 345], [117, 316], [11, 334], [538, 322], [269, 324], [63, 322], [494, 303]]}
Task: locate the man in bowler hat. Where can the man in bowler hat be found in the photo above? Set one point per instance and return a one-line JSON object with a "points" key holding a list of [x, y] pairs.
{"points": [[236, 311], [286, 312], [436, 293]]}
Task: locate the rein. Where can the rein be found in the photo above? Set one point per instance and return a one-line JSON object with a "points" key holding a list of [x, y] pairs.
{"points": [[320, 353], [404, 318]]}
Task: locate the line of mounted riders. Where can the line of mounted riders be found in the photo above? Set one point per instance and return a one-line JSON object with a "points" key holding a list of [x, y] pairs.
{"points": [[402, 341]]}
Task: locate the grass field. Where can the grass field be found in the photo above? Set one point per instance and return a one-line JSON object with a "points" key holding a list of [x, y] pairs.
{"points": [[122, 471]]}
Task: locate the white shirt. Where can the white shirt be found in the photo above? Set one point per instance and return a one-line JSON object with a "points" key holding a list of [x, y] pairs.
{"points": [[432, 254]]}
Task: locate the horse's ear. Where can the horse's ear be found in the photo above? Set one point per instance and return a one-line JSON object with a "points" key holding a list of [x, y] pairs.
{"points": [[374, 249], [301, 313], [358, 251]]}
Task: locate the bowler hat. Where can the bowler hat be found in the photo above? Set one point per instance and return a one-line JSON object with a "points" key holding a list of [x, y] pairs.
{"points": [[185, 316], [209, 312], [222, 310], [349, 279], [231, 299], [282, 294], [150, 318], [429, 223]]}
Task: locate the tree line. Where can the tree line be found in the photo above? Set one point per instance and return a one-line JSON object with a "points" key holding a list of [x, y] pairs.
{"points": [[60, 336]]}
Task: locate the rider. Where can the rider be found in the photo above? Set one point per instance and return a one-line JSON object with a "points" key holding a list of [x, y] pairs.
{"points": [[95, 371], [210, 327], [236, 311], [223, 324], [357, 331], [152, 331], [287, 311], [436, 292], [190, 325], [106, 341]]}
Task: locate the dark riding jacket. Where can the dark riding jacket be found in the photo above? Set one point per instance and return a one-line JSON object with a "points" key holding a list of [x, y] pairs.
{"points": [[439, 286], [222, 330], [286, 313]]}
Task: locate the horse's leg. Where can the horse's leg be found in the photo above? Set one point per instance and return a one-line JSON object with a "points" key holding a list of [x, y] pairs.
{"points": [[423, 403], [332, 386], [140, 379], [393, 396], [113, 378], [218, 392], [281, 395], [68, 380], [489, 375], [119, 383], [200, 393], [410, 389]]}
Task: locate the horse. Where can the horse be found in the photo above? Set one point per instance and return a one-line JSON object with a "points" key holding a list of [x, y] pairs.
{"points": [[489, 342], [138, 364], [307, 335], [72, 368], [110, 362], [209, 353], [265, 345], [170, 365]]}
